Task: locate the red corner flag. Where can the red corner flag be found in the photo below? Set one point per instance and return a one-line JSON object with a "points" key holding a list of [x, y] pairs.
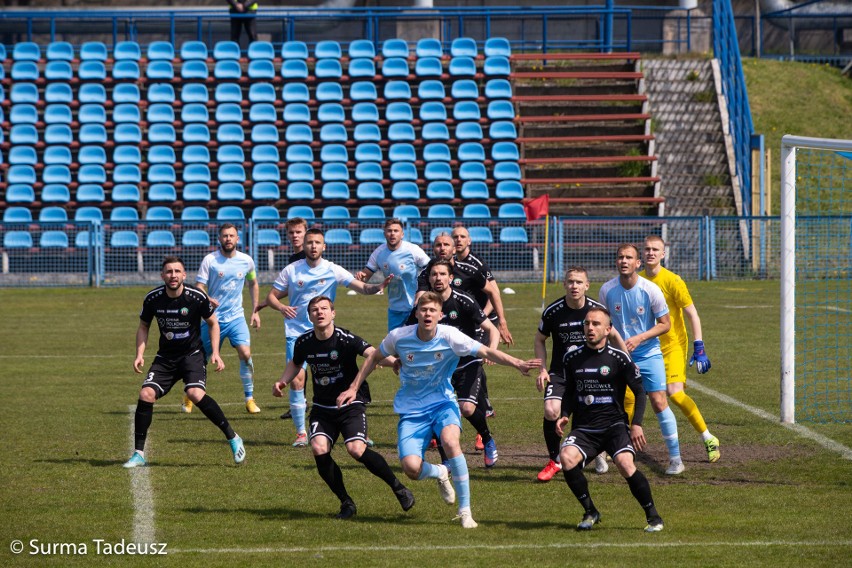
{"points": [[537, 208]]}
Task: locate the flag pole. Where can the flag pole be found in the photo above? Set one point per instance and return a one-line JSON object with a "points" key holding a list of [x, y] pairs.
{"points": [[546, 255]]}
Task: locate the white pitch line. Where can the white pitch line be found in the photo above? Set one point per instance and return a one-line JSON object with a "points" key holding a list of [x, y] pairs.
{"points": [[827, 443], [519, 546], [143, 495]]}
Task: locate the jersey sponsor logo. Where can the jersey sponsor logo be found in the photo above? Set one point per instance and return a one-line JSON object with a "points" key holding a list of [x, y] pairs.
{"points": [[589, 399], [573, 348], [385, 267], [605, 371], [402, 266], [640, 310], [322, 281], [453, 315], [221, 275], [170, 336], [410, 357], [184, 311], [240, 274], [333, 355], [439, 356], [457, 281], [618, 308]]}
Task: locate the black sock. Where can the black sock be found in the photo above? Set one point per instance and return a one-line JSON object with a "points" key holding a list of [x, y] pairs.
{"points": [[441, 451], [551, 438], [480, 423], [144, 415], [641, 490], [579, 486], [331, 474], [214, 413], [378, 466]]}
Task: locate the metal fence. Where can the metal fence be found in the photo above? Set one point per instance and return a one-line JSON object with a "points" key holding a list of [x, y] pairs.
{"points": [[112, 253]]}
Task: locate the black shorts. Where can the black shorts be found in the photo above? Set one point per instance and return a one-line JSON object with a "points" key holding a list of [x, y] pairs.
{"points": [[349, 422], [613, 440], [468, 381], [555, 389], [164, 373]]}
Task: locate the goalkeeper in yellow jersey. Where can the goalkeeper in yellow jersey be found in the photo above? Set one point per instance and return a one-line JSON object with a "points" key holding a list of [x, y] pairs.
{"points": [[674, 344]]}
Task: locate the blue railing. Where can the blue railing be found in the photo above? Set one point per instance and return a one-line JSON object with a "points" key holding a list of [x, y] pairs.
{"points": [[726, 47]]}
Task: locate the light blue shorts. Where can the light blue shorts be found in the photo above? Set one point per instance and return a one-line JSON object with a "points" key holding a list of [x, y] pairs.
{"points": [[653, 371], [291, 344], [236, 331], [397, 319], [415, 431]]}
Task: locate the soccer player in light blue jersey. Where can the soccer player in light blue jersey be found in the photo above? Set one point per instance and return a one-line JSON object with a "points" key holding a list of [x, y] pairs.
{"points": [[641, 316], [300, 282], [222, 276], [405, 261], [427, 355]]}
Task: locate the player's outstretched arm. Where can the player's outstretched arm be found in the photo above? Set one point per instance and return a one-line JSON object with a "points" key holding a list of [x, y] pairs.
{"points": [[699, 355], [273, 300], [213, 328], [369, 289], [364, 275], [369, 365], [290, 373], [505, 359], [141, 342]]}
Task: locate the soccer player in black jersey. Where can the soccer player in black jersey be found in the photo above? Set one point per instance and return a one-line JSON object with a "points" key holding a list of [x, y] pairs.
{"points": [[179, 310], [563, 321], [462, 312], [597, 375], [331, 352]]}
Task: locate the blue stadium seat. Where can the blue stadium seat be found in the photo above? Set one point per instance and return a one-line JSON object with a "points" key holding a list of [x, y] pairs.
{"points": [[300, 112], [394, 48], [303, 211], [363, 91], [397, 90], [53, 214], [156, 154], [399, 112], [57, 193], [441, 211], [25, 71], [26, 51], [511, 211], [197, 134], [497, 46], [431, 90], [462, 67], [433, 111], [234, 133], [476, 211], [121, 70], [372, 237], [93, 51], [17, 239], [196, 192], [55, 93], [124, 214], [328, 69], [265, 173], [161, 173], [26, 134], [224, 93], [298, 92], [502, 130], [497, 66], [369, 171], [471, 152], [468, 131], [395, 67], [294, 50], [338, 237], [481, 235], [127, 112], [20, 193], [514, 235], [159, 213], [361, 68], [463, 47], [435, 131], [260, 92], [296, 134], [300, 191], [58, 134], [466, 110], [413, 235], [503, 151], [328, 153], [230, 213], [84, 239], [231, 191], [23, 155], [404, 171], [265, 153], [17, 214], [227, 173], [229, 50], [429, 47], [194, 213], [498, 89], [230, 153], [262, 112], [24, 93], [128, 93], [304, 153], [161, 50], [264, 191], [195, 238], [228, 70], [509, 190], [407, 212], [23, 114], [365, 112], [334, 171], [335, 190], [2, 53], [300, 172], [160, 238], [259, 69], [90, 193], [440, 190], [501, 110], [160, 112], [328, 49], [428, 67], [405, 191], [333, 133], [88, 213], [472, 171], [261, 50], [370, 190], [335, 213], [125, 193], [294, 69], [265, 133], [399, 152], [53, 239], [193, 50], [438, 171], [58, 71], [265, 213], [474, 189], [92, 93], [368, 212], [127, 51], [163, 133], [507, 171], [268, 238], [124, 239], [325, 92], [434, 233], [361, 48], [229, 112], [21, 174], [157, 71], [195, 70], [401, 132]]}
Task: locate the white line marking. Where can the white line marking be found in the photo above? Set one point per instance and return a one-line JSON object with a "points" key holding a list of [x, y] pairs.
{"points": [[530, 546], [827, 443], [748, 307], [836, 309], [143, 495]]}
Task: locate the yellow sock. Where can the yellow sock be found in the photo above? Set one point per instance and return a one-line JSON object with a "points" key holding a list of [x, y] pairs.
{"points": [[629, 405], [690, 410]]}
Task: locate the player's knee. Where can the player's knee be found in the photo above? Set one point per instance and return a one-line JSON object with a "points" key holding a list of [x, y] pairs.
{"points": [[467, 409], [195, 394], [625, 464], [674, 388], [570, 457], [356, 449], [148, 395], [319, 446], [411, 467]]}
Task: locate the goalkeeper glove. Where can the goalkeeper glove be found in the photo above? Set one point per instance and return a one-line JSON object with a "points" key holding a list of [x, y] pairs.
{"points": [[700, 357]]}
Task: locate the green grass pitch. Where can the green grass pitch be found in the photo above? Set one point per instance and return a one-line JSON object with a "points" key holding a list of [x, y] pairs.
{"points": [[67, 391]]}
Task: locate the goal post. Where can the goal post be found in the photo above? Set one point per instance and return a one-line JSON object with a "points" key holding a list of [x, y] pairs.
{"points": [[816, 279]]}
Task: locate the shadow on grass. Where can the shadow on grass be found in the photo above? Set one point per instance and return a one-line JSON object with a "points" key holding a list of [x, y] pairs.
{"points": [[284, 513]]}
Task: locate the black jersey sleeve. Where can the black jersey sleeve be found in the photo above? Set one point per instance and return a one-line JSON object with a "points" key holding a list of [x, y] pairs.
{"points": [[300, 351], [470, 307], [147, 313], [412, 317], [423, 278], [360, 345]]}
